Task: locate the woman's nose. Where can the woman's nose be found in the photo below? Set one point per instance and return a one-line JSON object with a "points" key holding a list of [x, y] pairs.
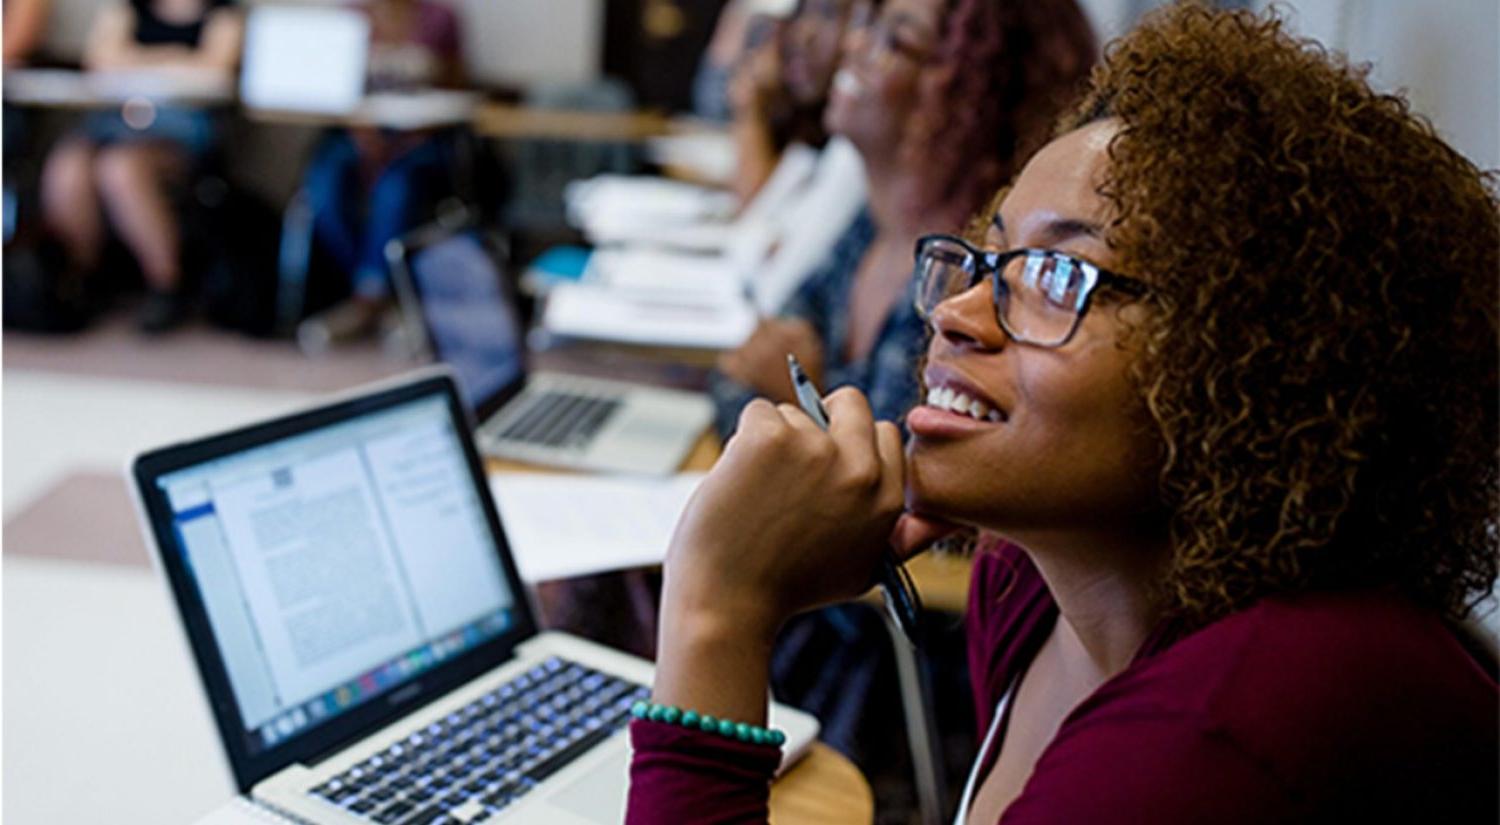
{"points": [[968, 318], [855, 45]]}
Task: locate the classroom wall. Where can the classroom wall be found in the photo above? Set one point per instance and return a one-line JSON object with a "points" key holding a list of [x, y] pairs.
{"points": [[1445, 55]]}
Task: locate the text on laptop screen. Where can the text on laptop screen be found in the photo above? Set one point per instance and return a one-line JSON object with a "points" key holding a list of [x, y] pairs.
{"points": [[474, 327], [339, 564]]}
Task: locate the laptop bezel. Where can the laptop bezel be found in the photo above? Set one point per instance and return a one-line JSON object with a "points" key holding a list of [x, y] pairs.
{"points": [[400, 254], [362, 720]]}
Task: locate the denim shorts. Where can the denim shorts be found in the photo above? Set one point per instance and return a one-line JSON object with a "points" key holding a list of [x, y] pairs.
{"points": [[195, 131]]}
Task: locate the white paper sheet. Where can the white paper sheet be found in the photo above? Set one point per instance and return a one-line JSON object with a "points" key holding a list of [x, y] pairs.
{"points": [[665, 318], [240, 811], [670, 272], [563, 525]]}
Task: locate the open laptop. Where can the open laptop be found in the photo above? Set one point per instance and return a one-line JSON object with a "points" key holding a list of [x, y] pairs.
{"points": [[450, 281], [363, 638], [304, 59]]}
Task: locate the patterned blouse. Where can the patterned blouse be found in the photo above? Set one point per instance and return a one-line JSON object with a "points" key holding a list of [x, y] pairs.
{"points": [[887, 374]]}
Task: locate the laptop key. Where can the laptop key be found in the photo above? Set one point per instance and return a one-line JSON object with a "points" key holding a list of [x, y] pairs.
{"points": [[394, 813], [468, 811], [552, 763], [428, 816], [489, 752]]}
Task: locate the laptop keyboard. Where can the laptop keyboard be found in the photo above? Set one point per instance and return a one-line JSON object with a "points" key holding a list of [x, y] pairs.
{"points": [[481, 758], [560, 419]]}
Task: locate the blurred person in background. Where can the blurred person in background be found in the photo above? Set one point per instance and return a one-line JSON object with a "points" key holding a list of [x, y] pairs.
{"points": [[942, 100], [122, 171], [25, 26], [725, 48], [780, 88], [368, 186]]}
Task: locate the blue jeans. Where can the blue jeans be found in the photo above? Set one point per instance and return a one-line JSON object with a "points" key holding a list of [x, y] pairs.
{"points": [[354, 228]]}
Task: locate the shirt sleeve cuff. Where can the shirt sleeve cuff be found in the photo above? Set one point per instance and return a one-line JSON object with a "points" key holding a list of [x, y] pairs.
{"points": [[682, 775]]}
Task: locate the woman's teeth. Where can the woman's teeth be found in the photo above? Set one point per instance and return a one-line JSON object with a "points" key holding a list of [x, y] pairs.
{"points": [[847, 83], [952, 401]]}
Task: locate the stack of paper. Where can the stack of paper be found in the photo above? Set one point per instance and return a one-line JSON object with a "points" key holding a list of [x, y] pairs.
{"points": [[619, 202], [629, 520], [656, 269], [710, 155], [649, 317], [418, 109]]}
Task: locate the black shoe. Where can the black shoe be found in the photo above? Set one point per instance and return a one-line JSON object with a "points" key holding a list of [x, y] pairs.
{"points": [[161, 311]]}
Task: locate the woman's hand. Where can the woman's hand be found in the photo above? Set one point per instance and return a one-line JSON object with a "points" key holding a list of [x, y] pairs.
{"points": [[760, 362], [791, 517], [756, 81]]}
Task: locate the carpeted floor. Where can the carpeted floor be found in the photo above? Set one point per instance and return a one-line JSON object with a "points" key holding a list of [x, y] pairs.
{"points": [[196, 354]]}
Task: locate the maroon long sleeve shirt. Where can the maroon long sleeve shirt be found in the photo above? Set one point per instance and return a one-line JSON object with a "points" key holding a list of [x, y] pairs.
{"points": [[1322, 707]]}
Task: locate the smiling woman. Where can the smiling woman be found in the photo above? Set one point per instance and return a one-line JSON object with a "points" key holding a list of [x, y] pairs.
{"points": [[1218, 384]]}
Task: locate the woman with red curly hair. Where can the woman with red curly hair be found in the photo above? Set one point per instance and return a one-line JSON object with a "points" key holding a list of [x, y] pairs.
{"points": [[1216, 382], [943, 99]]}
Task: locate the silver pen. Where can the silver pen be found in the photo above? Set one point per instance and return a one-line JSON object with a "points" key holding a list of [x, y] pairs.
{"points": [[807, 394], [901, 599]]}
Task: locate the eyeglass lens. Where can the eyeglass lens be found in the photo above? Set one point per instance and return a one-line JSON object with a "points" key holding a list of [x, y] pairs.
{"points": [[1039, 302]]}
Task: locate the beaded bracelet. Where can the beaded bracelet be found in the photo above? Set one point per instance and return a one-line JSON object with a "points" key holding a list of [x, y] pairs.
{"points": [[653, 712]]}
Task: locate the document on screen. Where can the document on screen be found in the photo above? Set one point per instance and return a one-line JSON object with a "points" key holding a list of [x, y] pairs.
{"points": [[318, 571]]}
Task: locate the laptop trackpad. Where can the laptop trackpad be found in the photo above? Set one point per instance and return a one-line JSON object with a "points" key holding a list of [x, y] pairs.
{"points": [[599, 794]]}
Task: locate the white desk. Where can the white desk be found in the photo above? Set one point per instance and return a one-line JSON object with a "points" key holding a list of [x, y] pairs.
{"points": [[104, 719], [69, 89]]}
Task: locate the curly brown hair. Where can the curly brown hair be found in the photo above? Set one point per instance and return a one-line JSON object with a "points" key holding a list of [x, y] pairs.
{"points": [[1007, 69], [1320, 362]]}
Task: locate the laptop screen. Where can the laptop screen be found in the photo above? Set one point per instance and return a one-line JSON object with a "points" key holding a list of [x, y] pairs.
{"points": [[338, 564], [304, 59], [472, 322]]}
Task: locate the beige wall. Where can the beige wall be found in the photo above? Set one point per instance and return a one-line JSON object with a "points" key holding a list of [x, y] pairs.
{"points": [[1445, 54]]}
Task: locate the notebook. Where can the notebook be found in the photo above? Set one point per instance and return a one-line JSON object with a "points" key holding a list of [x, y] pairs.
{"points": [[454, 297], [363, 639]]}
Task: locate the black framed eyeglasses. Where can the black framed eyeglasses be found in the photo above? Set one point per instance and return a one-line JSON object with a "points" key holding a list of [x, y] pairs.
{"points": [[1040, 294]]}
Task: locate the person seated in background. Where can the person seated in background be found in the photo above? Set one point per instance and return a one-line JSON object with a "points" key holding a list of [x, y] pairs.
{"points": [[795, 197], [780, 88], [122, 170], [25, 26], [715, 68], [1217, 385], [942, 101], [368, 186]]}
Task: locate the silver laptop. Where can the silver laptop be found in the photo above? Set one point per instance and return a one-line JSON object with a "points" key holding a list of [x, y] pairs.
{"points": [[457, 305], [360, 630], [303, 58]]}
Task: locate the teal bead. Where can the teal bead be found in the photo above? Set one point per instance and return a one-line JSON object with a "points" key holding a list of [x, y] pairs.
{"points": [[758, 736], [638, 710], [726, 727], [670, 715], [742, 731], [778, 738], [690, 718], [708, 724], [655, 713]]}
